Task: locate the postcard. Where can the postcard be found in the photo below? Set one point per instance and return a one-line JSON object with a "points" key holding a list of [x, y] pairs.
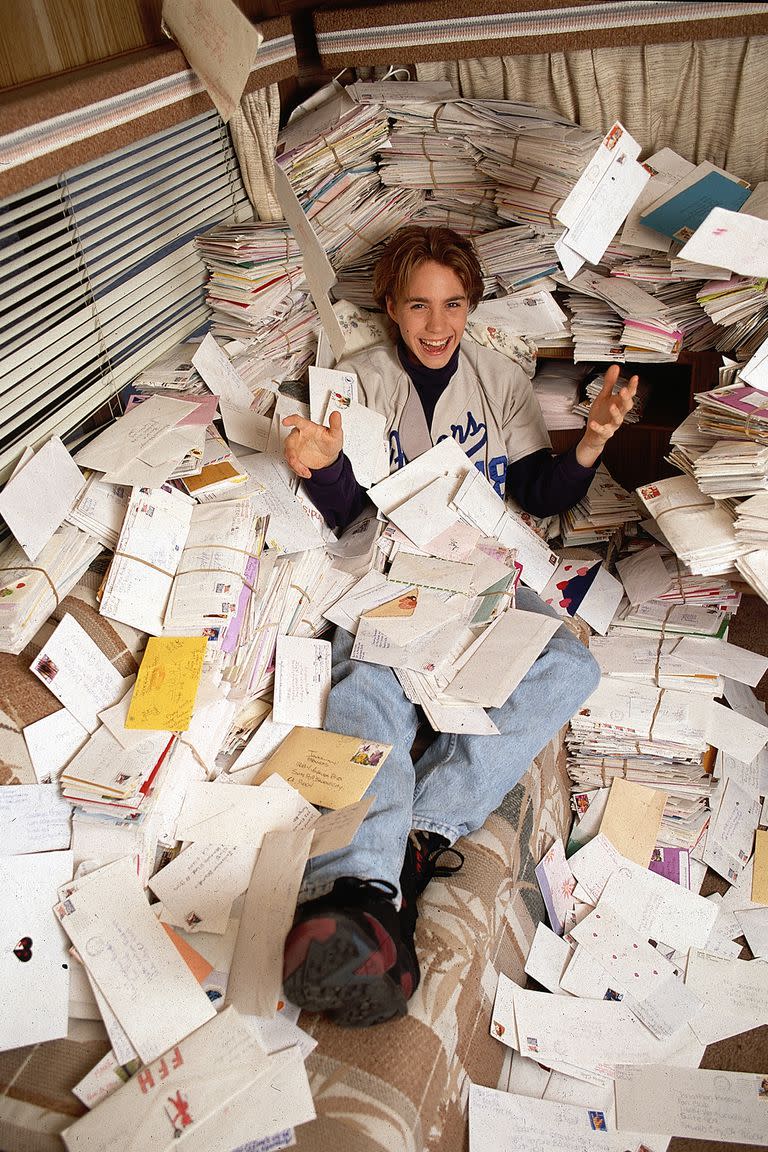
{"points": [[699, 1103], [166, 686], [302, 680], [34, 963], [557, 882], [146, 983], [330, 770], [632, 819], [78, 673], [38, 496]]}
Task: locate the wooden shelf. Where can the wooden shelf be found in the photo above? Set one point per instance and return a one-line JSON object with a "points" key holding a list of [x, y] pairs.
{"points": [[635, 455]]}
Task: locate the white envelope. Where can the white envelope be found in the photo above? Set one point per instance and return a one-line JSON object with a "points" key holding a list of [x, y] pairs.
{"points": [[34, 963], [176, 1094], [240, 815], [39, 495], [504, 654], [446, 459], [138, 970], [127, 437], [78, 673], [700, 1103], [302, 680]]}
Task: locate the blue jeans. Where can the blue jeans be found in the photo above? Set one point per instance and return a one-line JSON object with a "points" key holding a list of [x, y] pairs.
{"points": [[460, 779]]}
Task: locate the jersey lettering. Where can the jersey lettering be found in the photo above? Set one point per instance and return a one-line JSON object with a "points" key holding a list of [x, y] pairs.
{"points": [[397, 458]]}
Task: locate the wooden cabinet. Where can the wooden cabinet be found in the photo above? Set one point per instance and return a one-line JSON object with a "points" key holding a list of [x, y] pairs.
{"points": [[635, 455]]}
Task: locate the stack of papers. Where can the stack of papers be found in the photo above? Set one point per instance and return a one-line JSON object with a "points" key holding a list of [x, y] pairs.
{"points": [[516, 258], [30, 592], [556, 385], [605, 508], [735, 412], [639, 401], [751, 524], [699, 530], [731, 468]]}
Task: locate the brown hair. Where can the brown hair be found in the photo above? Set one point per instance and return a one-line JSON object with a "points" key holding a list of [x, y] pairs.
{"points": [[412, 246]]}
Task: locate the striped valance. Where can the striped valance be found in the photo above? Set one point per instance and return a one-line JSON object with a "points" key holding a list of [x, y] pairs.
{"points": [[70, 120], [456, 29]]}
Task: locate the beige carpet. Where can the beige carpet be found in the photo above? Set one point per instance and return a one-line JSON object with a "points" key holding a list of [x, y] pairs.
{"points": [[749, 1051]]}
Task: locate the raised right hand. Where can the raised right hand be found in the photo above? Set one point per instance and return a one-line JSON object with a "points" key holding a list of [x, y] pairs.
{"points": [[309, 446]]}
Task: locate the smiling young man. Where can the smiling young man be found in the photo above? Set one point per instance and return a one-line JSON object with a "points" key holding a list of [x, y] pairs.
{"points": [[350, 952]]}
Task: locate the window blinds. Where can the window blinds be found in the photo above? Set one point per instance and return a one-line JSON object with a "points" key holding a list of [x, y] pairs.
{"points": [[101, 276]]}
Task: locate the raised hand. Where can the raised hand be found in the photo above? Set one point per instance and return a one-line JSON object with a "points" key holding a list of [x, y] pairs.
{"points": [[606, 415], [309, 446]]}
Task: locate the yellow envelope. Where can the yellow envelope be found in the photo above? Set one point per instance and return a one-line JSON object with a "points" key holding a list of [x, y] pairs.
{"points": [[166, 686], [760, 872], [631, 819], [328, 769]]}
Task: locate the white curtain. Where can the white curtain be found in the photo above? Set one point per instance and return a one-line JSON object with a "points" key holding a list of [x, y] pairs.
{"points": [[707, 100], [254, 127]]}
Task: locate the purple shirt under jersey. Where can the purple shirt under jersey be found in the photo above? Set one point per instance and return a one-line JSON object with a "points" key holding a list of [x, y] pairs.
{"points": [[541, 483]]}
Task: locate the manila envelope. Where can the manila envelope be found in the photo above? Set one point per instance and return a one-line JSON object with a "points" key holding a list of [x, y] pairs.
{"points": [[330, 770], [632, 819]]}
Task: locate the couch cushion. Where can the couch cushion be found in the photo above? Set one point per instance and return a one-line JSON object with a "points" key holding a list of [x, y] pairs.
{"points": [[402, 1087]]}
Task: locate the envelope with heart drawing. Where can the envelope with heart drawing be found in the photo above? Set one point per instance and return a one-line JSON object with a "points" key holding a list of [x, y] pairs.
{"points": [[34, 961], [584, 588]]}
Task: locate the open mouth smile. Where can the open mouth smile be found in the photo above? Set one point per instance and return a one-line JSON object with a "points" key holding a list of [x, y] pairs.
{"points": [[435, 347]]}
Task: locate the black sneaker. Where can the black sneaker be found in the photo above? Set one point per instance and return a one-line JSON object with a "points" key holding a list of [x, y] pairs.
{"points": [[427, 854], [347, 956]]}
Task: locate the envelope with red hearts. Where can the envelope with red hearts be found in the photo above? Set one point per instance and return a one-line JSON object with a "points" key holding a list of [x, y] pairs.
{"points": [[584, 588]]}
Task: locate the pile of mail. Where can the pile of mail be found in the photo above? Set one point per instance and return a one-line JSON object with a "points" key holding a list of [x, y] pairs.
{"points": [[614, 1042], [556, 385], [606, 508], [639, 400]]}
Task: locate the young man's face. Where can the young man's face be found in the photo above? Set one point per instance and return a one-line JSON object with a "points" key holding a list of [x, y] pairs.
{"points": [[431, 314]]}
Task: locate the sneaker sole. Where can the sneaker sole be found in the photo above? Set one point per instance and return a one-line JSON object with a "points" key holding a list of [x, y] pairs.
{"points": [[329, 979]]}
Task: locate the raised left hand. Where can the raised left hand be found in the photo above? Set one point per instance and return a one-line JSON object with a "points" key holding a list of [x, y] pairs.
{"points": [[606, 415]]}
